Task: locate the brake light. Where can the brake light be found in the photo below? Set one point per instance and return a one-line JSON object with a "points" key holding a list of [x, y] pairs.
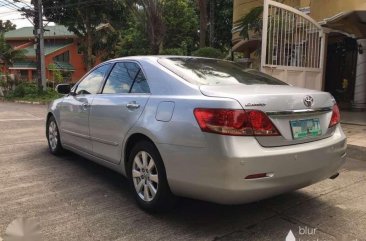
{"points": [[235, 122], [261, 124], [336, 116]]}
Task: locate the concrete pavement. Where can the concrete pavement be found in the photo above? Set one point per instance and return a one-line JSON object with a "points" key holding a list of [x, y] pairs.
{"points": [[353, 117], [75, 199], [354, 125]]}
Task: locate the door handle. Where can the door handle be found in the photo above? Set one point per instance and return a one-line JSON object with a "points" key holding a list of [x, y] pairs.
{"points": [[85, 106], [133, 105]]}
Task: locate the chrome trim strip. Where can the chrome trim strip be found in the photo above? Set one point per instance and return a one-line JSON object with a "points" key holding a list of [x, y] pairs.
{"points": [[276, 141], [299, 112], [104, 141], [76, 134], [90, 138]]}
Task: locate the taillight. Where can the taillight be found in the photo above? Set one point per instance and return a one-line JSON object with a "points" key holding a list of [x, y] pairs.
{"points": [[261, 124], [235, 122], [336, 116]]}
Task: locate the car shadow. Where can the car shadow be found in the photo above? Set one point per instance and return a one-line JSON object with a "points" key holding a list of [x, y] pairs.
{"points": [[198, 219]]}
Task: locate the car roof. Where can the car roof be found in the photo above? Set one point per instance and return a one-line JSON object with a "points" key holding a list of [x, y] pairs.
{"points": [[155, 57]]}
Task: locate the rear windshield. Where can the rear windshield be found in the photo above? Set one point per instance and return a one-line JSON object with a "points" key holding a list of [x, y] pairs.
{"points": [[201, 71]]}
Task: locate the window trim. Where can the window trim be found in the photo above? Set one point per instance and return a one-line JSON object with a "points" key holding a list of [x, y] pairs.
{"points": [[133, 82], [63, 53]]}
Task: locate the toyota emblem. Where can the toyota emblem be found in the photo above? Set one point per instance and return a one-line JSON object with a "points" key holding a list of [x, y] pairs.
{"points": [[308, 101]]}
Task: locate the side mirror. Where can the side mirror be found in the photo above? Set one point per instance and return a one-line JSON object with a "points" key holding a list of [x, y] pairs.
{"points": [[63, 89]]}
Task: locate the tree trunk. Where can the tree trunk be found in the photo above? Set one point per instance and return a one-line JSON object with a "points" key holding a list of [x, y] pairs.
{"points": [[89, 44], [202, 4], [212, 23]]}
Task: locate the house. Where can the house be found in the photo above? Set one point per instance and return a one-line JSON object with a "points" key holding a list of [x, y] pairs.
{"points": [[62, 53], [317, 44]]}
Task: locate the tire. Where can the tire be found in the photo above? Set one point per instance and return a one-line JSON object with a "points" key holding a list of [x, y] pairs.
{"points": [[53, 137], [149, 176]]}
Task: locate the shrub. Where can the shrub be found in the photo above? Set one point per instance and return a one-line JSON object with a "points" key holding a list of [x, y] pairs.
{"points": [[25, 89], [30, 92], [208, 52], [173, 51]]}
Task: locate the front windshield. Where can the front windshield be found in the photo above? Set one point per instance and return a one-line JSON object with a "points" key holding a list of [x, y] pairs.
{"points": [[201, 71]]}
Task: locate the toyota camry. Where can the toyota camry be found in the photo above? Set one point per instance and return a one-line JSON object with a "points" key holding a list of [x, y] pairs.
{"points": [[201, 128]]}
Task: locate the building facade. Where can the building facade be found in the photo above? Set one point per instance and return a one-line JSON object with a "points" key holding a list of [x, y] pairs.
{"points": [[62, 53], [343, 31]]}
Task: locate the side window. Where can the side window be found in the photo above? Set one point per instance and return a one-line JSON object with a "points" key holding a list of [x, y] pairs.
{"points": [[140, 85], [122, 78], [92, 82]]}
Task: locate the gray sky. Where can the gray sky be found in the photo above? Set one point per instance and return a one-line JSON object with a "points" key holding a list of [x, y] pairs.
{"points": [[8, 12]]}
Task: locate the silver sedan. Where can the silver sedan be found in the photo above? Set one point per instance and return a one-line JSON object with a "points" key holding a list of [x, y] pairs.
{"points": [[200, 128]]}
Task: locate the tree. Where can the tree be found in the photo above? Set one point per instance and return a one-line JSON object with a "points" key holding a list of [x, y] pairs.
{"points": [[8, 55], [83, 19], [6, 26], [133, 39], [202, 7], [181, 32], [57, 74], [175, 34], [223, 11], [155, 26], [252, 21]]}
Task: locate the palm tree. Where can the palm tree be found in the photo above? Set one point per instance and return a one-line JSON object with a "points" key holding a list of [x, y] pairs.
{"points": [[252, 21], [155, 27]]}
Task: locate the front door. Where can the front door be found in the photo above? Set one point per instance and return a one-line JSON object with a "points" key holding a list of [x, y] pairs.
{"points": [[341, 66], [75, 110], [116, 109]]}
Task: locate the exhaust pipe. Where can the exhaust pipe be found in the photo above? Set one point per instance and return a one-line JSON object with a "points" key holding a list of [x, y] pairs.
{"points": [[334, 176]]}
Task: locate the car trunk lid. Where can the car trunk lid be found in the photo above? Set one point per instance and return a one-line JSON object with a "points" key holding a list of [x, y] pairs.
{"points": [[285, 107]]}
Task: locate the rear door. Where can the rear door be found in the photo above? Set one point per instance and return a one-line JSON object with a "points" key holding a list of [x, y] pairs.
{"points": [[117, 108], [75, 110]]}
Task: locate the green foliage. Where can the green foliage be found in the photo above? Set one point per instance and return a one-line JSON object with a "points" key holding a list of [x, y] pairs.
{"points": [[57, 74], [208, 52], [83, 19], [30, 92], [251, 21], [133, 39], [180, 25], [173, 51], [223, 19], [7, 54], [24, 89], [154, 23], [6, 26], [181, 22]]}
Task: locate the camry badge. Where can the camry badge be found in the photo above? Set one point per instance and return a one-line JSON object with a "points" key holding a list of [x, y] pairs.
{"points": [[255, 104], [308, 101]]}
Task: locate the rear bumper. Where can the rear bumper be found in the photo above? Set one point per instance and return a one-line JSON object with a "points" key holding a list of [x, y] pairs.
{"points": [[217, 173]]}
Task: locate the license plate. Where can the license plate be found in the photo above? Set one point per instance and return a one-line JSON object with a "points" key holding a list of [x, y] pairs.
{"points": [[305, 128]]}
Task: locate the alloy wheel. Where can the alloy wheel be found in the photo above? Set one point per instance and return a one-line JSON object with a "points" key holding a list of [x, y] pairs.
{"points": [[52, 135], [145, 176]]}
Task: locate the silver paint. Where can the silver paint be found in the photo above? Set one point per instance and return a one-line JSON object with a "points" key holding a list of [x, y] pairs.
{"points": [[203, 165]]}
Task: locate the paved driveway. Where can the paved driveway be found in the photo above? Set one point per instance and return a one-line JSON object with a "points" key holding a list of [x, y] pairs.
{"points": [[75, 199]]}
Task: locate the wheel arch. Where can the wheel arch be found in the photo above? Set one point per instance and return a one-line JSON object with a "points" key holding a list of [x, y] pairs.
{"points": [[49, 114], [130, 142]]}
